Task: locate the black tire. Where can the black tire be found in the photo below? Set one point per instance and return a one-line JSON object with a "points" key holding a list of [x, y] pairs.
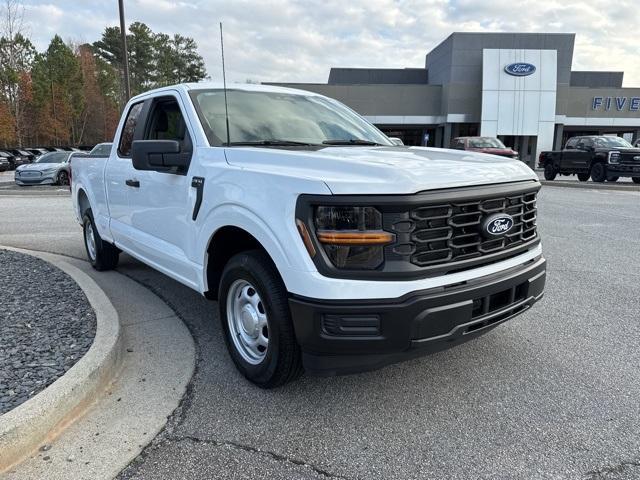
{"points": [[282, 361], [598, 172], [612, 179], [550, 171], [104, 256], [63, 178], [635, 179], [583, 177]]}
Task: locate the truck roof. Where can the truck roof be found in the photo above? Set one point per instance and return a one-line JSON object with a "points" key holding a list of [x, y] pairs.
{"points": [[248, 87]]}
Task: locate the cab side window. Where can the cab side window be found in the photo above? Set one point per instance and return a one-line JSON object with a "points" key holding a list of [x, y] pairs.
{"points": [[167, 123], [571, 143], [129, 128]]}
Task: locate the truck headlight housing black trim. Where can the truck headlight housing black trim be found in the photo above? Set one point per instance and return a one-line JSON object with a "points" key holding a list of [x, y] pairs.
{"points": [[614, 157], [352, 237]]}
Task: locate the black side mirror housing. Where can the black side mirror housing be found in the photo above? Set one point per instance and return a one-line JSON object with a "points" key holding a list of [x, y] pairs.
{"points": [[160, 156]]}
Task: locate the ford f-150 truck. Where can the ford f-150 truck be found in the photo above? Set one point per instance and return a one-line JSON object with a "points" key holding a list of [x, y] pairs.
{"points": [[603, 158], [329, 248]]}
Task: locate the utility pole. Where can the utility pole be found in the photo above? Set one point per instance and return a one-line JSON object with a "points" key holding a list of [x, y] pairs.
{"points": [[125, 54]]}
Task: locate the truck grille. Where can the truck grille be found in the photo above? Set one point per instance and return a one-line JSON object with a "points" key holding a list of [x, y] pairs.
{"points": [[448, 233], [630, 159]]}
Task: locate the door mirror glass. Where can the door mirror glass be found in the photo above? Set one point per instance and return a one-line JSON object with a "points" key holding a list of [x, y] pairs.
{"points": [[160, 156]]}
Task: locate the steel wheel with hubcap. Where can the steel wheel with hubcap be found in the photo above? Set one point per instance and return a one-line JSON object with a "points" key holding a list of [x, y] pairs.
{"points": [[90, 241], [102, 255], [247, 321], [255, 317]]}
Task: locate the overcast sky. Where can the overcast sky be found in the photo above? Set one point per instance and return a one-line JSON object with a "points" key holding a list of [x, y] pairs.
{"points": [[300, 40]]}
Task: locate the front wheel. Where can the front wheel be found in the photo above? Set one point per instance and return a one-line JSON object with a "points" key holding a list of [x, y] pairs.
{"points": [[599, 172], [256, 320], [635, 179], [583, 177], [102, 255], [550, 172]]}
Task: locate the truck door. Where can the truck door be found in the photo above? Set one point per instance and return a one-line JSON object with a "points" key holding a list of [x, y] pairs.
{"points": [[570, 154], [583, 155], [118, 169], [161, 202]]}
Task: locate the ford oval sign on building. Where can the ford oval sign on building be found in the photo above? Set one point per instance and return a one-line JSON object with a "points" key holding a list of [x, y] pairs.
{"points": [[520, 69]]}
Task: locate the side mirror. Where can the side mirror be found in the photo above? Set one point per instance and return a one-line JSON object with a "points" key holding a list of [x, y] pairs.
{"points": [[396, 141], [158, 155]]}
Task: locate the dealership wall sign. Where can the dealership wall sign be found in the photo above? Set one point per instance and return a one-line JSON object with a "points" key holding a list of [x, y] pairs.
{"points": [[621, 104], [520, 69]]}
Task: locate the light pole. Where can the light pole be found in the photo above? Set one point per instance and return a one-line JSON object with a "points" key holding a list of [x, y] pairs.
{"points": [[125, 54]]}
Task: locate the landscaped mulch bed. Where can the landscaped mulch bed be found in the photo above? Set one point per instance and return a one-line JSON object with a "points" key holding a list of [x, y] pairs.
{"points": [[46, 326]]}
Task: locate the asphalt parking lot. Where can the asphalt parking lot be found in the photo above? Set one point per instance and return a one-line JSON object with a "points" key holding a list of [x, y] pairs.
{"points": [[551, 394]]}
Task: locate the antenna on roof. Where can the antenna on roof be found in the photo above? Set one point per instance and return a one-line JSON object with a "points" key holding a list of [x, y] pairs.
{"points": [[224, 84]]}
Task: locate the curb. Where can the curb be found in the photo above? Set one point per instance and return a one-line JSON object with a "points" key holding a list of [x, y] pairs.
{"points": [[592, 186], [43, 417]]}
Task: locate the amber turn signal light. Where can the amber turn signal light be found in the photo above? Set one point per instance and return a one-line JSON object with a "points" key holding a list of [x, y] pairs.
{"points": [[306, 238], [355, 238]]}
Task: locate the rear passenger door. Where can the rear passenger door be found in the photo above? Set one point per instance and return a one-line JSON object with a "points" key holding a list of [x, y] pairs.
{"points": [[117, 171]]}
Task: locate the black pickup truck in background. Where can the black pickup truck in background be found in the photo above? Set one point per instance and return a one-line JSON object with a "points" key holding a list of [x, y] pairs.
{"points": [[599, 157]]}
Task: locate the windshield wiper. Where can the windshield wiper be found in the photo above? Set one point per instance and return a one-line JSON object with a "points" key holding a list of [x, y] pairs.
{"points": [[351, 141], [271, 143]]}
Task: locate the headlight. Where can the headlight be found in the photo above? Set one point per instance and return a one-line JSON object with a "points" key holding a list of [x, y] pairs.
{"points": [[352, 237], [614, 157]]}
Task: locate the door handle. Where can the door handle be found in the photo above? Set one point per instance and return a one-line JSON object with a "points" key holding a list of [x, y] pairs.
{"points": [[198, 184], [133, 183]]}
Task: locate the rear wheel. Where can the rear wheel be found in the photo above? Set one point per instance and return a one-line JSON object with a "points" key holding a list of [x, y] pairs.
{"points": [[550, 172], [63, 178], [102, 255], [255, 317], [635, 179], [598, 172], [583, 177]]}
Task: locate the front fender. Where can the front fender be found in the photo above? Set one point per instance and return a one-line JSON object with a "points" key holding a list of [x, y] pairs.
{"points": [[273, 238]]}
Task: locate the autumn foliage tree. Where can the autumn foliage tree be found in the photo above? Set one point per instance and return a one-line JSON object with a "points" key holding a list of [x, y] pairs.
{"points": [[73, 94]]}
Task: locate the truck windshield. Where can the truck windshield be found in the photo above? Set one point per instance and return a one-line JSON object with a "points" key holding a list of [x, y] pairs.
{"points": [[281, 119], [485, 142], [612, 142]]}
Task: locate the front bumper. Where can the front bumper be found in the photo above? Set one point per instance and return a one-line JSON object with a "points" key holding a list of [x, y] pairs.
{"points": [[622, 170], [26, 180], [349, 336]]}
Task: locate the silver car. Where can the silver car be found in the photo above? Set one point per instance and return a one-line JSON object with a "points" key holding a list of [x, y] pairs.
{"points": [[50, 169]]}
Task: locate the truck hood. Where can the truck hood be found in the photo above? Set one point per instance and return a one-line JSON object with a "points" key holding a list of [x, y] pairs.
{"points": [[383, 170]]}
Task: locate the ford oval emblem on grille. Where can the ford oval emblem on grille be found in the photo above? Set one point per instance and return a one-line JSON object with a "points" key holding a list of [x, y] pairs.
{"points": [[520, 69], [496, 225]]}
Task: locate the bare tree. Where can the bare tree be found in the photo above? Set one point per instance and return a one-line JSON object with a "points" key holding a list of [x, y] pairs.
{"points": [[16, 54]]}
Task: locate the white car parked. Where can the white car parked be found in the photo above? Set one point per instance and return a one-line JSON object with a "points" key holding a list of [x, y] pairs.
{"points": [[50, 169], [329, 248]]}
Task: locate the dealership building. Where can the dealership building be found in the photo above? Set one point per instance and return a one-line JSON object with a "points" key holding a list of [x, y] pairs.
{"points": [[518, 87]]}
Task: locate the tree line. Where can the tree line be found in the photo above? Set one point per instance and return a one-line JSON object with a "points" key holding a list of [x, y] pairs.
{"points": [[72, 94]]}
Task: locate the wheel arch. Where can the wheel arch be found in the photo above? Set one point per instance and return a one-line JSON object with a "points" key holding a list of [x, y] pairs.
{"points": [[83, 202], [224, 243]]}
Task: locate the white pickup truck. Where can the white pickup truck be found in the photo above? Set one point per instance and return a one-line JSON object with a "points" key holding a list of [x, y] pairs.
{"points": [[329, 248]]}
